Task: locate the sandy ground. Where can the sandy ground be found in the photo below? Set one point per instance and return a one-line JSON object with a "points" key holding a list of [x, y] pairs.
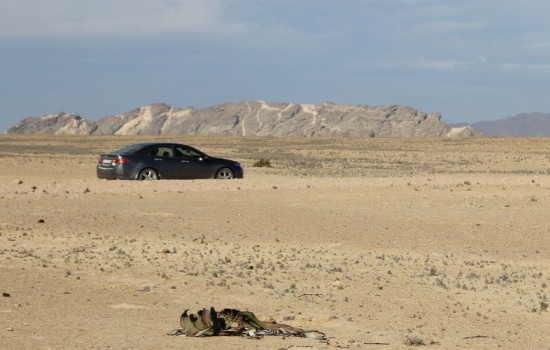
{"points": [[377, 243]]}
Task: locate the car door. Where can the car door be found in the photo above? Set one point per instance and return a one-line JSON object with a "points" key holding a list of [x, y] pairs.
{"points": [[190, 163], [161, 157]]}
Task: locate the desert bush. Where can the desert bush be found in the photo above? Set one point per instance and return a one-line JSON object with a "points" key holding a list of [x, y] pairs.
{"points": [[262, 163], [413, 340]]}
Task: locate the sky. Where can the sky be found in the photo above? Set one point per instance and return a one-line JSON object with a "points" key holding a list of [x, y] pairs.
{"points": [[469, 60]]}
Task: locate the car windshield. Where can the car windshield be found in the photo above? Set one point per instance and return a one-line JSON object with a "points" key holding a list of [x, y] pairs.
{"points": [[131, 149]]}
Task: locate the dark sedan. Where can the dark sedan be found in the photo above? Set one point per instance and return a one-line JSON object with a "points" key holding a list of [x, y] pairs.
{"points": [[153, 161]]}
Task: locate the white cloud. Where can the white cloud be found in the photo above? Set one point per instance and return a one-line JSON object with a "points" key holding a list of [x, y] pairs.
{"points": [[443, 26], [524, 66], [436, 64], [539, 45], [476, 62], [72, 18], [427, 64]]}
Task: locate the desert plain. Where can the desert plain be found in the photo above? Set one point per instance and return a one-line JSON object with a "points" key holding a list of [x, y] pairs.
{"points": [[378, 243]]}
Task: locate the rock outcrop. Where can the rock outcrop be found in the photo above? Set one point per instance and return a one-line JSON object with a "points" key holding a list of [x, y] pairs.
{"points": [[254, 119], [61, 124]]}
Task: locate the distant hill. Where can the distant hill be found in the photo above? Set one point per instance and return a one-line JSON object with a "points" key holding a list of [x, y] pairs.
{"points": [[521, 125], [253, 119]]}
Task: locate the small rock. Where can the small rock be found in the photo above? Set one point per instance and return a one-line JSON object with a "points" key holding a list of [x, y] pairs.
{"points": [[6, 295]]}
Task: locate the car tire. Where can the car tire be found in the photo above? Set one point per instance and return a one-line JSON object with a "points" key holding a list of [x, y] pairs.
{"points": [[225, 174], [148, 174]]}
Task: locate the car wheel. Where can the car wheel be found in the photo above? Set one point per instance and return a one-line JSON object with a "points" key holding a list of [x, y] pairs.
{"points": [[148, 174], [224, 173]]}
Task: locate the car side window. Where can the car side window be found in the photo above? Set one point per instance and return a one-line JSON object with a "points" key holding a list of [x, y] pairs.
{"points": [[163, 151], [186, 152], [166, 151]]}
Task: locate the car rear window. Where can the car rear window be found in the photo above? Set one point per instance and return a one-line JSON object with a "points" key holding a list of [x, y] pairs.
{"points": [[131, 149]]}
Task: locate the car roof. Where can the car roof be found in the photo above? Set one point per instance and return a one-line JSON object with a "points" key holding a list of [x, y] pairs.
{"points": [[158, 144], [142, 145]]}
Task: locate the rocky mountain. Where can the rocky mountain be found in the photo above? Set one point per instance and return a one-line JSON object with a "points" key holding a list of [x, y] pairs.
{"points": [[253, 119], [521, 125]]}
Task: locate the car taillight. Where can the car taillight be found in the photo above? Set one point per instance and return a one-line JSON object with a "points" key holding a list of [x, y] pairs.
{"points": [[120, 160]]}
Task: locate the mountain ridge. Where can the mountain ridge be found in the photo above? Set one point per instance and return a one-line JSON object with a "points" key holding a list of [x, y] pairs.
{"points": [[253, 118], [521, 125]]}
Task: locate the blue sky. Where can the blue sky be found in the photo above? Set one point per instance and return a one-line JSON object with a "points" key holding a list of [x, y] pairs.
{"points": [[469, 60]]}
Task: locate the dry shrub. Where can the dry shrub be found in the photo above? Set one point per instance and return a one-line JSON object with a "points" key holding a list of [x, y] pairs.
{"points": [[262, 163], [413, 340]]}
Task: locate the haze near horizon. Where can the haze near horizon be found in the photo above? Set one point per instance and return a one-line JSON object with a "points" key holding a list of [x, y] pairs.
{"points": [[468, 60]]}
